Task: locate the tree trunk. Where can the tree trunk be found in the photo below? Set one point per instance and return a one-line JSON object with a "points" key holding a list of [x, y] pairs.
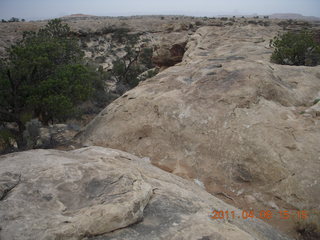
{"points": [[19, 137]]}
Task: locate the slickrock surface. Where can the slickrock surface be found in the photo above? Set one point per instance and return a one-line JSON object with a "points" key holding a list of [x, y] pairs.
{"points": [[225, 117], [85, 193], [228, 117]]}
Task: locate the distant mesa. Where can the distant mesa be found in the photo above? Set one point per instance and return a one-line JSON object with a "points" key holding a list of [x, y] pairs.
{"points": [[272, 16], [293, 16], [77, 15]]}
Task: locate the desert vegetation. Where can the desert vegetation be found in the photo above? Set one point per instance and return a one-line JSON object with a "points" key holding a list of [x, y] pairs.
{"points": [[13, 19], [296, 48], [135, 61], [43, 76], [46, 76]]}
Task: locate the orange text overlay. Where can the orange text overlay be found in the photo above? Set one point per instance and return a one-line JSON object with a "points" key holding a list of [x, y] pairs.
{"points": [[263, 214]]}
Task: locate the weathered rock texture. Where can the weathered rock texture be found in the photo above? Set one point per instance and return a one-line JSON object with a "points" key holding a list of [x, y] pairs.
{"points": [[225, 116], [50, 194]]}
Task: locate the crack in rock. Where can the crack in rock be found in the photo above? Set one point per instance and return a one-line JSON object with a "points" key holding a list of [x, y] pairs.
{"points": [[8, 182]]}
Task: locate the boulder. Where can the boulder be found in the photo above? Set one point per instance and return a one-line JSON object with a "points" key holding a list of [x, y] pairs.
{"points": [[99, 193]]}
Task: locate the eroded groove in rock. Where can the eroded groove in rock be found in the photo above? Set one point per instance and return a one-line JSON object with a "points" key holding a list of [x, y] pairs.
{"points": [[8, 182]]}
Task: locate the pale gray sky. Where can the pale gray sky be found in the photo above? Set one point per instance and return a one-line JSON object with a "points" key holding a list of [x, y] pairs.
{"points": [[40, 9]]}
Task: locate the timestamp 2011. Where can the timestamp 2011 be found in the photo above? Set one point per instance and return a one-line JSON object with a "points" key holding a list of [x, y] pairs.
{"points": [[263, 214]]}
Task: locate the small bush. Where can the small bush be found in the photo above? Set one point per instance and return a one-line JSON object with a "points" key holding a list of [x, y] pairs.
{"points": [[316, 101], [146, 57], [7, 140], [253, 22], [296, 49], [14, 19], [266, 24], [32, 133]]}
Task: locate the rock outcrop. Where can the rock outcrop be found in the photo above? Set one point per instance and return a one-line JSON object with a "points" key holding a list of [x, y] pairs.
{"points": [[169, 54], [228, 117], [99, 193]]}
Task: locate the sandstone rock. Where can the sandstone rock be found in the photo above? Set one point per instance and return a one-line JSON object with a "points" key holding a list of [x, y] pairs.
{"points": [[314, 110], [98, 193], [32, 132], [169, 55], [146, 74], [250, 199], [55, 135], [38, 136], [231, 127]]}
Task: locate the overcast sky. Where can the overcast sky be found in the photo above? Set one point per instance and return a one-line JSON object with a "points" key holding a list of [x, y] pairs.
{"points": [[40, 9]]}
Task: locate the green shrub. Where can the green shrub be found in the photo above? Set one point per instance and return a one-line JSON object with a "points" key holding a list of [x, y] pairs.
{"points": [[316, 101], [14, 19], [136, 61], [296, 48], [7, 140], [120, 35], [253, 22], [146, 57]]}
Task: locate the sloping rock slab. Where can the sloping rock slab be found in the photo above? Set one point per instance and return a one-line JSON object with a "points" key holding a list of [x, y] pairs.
{"points": [[89, 192], [225, 116]]}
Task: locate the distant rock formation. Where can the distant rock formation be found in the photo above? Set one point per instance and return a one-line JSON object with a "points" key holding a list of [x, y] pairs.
{"points": [[78, 15], [293, 16]]}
